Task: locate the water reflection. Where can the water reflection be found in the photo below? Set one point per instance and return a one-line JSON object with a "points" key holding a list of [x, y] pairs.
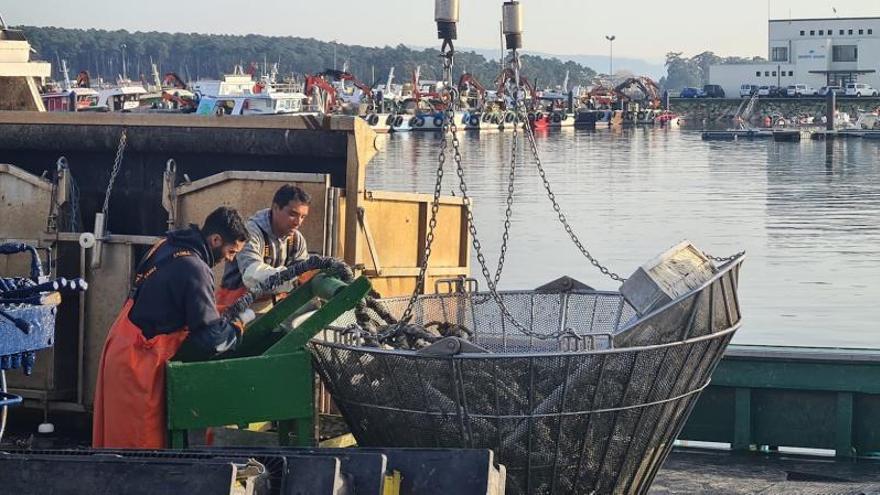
{"points": [[808, 213]]}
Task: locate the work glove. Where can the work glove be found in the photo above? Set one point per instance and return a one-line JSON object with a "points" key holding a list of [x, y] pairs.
{"points": [[243, 318]]}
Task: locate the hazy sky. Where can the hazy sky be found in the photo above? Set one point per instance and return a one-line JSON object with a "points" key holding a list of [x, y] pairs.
{"points": [[644, 28]]}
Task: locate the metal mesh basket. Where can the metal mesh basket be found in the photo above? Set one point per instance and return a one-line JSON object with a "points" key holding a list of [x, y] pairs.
{"points": [[569, 409]]}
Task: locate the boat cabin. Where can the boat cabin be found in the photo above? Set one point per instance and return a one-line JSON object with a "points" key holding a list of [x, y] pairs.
{"points": [[259, 104], [71, 100], [122, 97]]}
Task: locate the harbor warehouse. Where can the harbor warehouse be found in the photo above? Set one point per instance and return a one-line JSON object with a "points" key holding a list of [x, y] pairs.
{"points": [[815, 52]]}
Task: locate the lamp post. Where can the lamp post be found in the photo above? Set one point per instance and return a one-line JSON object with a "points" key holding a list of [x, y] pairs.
{"points": [[124, 75], [611, 39], [334, 54]]}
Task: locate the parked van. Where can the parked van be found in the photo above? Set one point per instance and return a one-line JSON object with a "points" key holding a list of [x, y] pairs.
{"points": [[858, 90], [826, 90], [798, 90], [713, 91], [747, 90]]}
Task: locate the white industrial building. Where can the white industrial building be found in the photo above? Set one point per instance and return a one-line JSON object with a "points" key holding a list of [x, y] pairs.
{"points": [[816, 52]]}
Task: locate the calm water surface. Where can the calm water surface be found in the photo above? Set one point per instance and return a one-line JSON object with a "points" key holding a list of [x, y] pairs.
{"points": [[808, 214]]}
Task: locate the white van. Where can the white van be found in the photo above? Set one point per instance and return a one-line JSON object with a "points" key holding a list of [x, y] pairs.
{"points": [[798, 90], [747, 90], [859, 90]]}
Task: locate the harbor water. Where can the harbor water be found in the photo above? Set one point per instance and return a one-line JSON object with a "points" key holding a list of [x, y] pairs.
{"points": [[808, 214]]}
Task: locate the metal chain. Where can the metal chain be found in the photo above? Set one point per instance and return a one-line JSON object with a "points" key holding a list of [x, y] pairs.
{"points": [[432, 223], [435, 207], [724, 259], [117, 163], [530, 135], [511, 178], [478, 247]]}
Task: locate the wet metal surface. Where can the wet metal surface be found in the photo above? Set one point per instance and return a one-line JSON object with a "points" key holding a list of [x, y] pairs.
{"points": [[723, 473]]}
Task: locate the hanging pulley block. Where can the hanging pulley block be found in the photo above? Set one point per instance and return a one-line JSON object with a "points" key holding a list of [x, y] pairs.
{"points": [[446, 16]]}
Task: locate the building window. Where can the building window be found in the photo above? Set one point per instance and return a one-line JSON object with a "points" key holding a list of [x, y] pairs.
{"points": [[844, 53], [757, 73], [804, 32], [821, 33], [779, 54], [791, 73], [766, 73], [870, 31], [861, 31], [850, 32], [841, 32], [812, 33]]}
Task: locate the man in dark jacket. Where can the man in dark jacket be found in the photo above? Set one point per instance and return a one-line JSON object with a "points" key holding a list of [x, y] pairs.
{"points": [[171, 301]]}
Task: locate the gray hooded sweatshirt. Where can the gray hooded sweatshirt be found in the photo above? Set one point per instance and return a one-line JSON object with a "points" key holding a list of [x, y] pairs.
{"points": [[258, 261]]}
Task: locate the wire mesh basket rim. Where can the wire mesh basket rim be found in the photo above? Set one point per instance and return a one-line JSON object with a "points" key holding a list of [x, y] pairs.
{"points": [[557, 414], [518, 292], [501, 355]]}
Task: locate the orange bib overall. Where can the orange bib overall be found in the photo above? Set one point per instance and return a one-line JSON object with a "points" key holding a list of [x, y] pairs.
{"points": [[130, 392]]}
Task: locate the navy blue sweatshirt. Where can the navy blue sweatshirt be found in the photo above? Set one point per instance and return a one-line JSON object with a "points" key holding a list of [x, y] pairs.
{"points": [[181, 293]]}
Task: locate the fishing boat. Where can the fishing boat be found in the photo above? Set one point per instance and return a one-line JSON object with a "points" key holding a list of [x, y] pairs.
{"points": [[263, 103], [125, 95], [379, 122], [480, 120], [401, 122], [69, 97], [237, 83], [240, 94]]}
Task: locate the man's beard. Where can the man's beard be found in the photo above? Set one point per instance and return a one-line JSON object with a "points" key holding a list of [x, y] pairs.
{"points": [[217, 254]]}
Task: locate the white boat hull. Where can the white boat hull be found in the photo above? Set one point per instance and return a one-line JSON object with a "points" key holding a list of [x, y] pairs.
{"points": [[380, 122], [401, 123]]}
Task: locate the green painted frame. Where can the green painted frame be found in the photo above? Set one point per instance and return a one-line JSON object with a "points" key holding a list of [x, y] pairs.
{"points": [[270, 376], [795, 397]]}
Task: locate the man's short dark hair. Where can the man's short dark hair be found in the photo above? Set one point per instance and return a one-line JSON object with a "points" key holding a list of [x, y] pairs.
{"points": [[288, 192], [227, 223]]}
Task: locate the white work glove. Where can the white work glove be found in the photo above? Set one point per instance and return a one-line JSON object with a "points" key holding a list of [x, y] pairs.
{"points": [[246, 317]]}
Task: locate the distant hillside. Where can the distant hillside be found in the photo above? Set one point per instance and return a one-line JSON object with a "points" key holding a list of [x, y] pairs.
{"points": [[597, 62], [195, 56]]}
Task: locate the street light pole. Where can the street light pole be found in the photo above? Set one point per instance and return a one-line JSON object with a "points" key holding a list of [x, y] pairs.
{"points": [[611, 39], [334, 54]]}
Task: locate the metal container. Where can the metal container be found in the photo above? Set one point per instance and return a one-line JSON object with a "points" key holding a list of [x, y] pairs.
{"points": [[27, 323], [562, 411], [666, 277]]}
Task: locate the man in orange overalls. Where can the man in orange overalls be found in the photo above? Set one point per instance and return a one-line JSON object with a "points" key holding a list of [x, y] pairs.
{"points": [[171, 300]]}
